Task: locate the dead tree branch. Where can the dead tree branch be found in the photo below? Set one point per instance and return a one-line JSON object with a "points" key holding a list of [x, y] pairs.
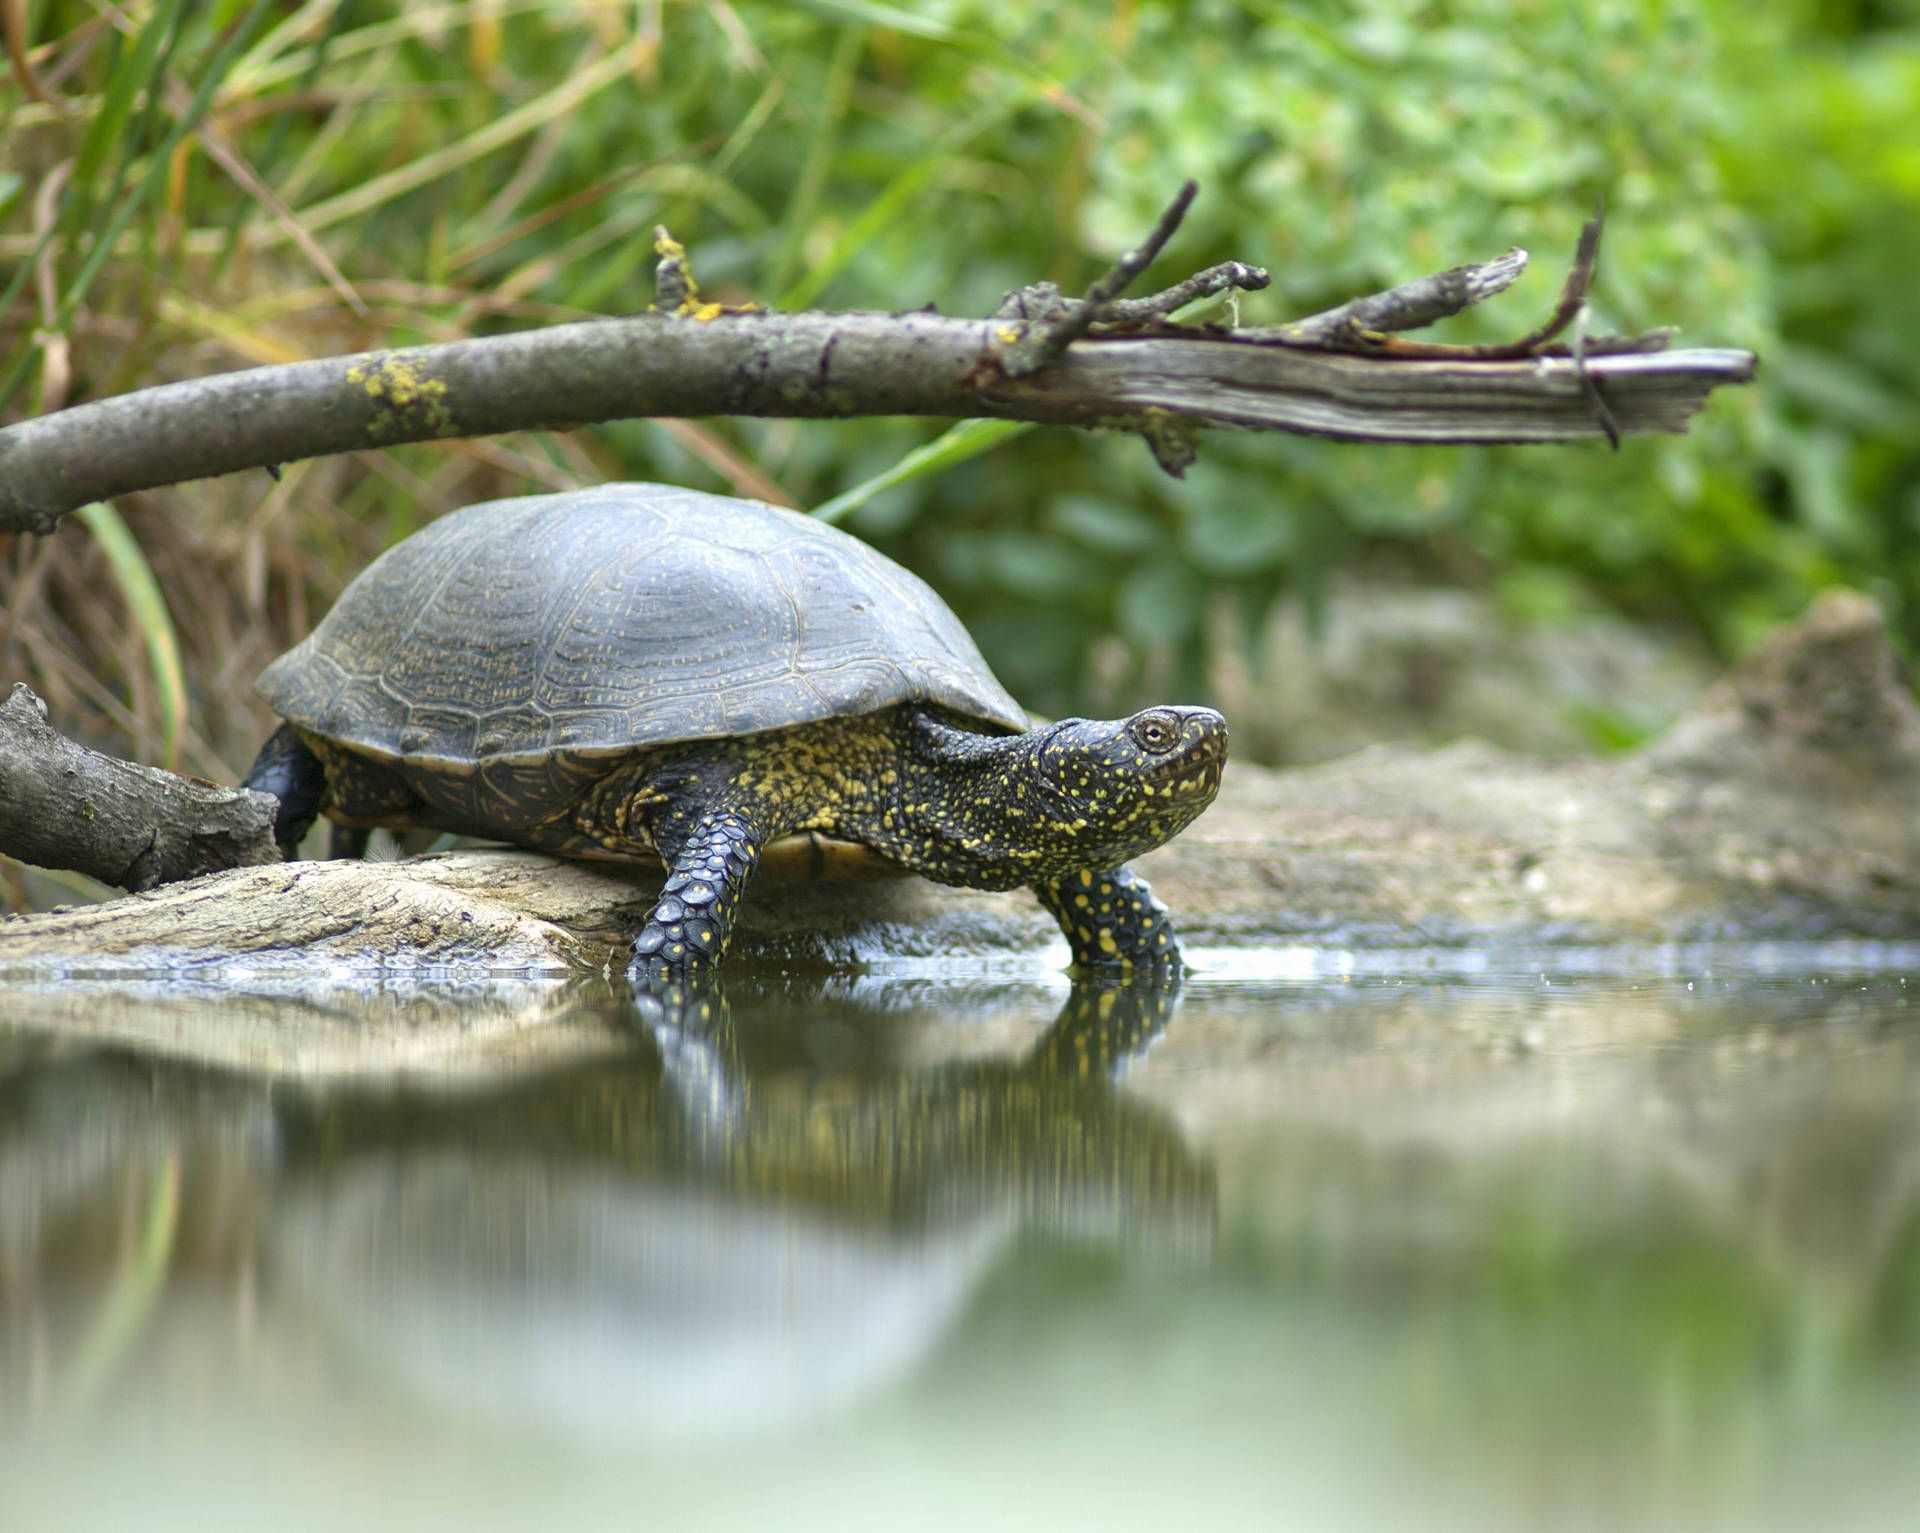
{"points": [[64, 806], [808, 365], [1101, 361]]}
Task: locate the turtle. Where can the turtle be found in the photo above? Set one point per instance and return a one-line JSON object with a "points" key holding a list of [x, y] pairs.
{"points": [[645, 673]]}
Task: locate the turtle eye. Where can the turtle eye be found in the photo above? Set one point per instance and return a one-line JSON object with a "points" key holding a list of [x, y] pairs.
{"points": [[1153, 731]]}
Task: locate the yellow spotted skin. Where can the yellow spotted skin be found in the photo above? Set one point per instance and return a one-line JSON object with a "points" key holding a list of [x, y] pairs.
{"points": [[1111, 918], [1059, 809]]}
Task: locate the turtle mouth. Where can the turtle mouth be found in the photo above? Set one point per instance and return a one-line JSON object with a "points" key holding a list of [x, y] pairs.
{"points": [[1197, 777]]}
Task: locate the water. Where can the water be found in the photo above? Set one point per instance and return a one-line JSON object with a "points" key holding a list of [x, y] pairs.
{"points": [[1413, 1240]]}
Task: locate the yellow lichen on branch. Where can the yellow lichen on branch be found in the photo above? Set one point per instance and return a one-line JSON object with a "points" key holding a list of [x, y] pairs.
{"points": [[408, 397], [673, 281]]}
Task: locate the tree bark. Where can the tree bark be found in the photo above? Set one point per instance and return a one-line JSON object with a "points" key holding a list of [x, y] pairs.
{"points": [[64, 806]]}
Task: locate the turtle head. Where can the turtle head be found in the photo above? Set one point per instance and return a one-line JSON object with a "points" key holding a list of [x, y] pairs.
{"points": [[1110, 789], [996, 811]]}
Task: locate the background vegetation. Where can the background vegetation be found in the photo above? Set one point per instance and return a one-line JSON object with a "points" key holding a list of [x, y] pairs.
{"points": [[188, 187]]}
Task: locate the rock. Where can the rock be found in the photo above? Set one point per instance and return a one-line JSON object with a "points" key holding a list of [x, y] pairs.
{"points": [[1783, 807], [1821, 698], [1799, 774]]}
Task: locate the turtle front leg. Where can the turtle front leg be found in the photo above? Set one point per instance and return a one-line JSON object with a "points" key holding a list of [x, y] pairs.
{"points": [[1111, 920], [712, 860]]}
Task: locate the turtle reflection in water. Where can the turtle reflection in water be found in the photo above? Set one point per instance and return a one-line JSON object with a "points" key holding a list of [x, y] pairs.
{"points": [[644, 673], [723, 1246]]}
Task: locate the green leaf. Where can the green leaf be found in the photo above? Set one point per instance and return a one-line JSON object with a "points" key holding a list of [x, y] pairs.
{"points": [[1234, 524], [1815, 463]]}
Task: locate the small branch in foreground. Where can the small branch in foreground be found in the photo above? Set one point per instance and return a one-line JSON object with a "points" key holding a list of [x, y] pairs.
{"points": [[1203, 284], [1590, 385], [1362, 324], [1573, 292], [1045, 301], [64, 806]]}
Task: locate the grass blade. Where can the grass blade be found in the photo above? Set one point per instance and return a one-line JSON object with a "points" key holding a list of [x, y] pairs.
{"points": [[108, 237], [148, 609], [869, 13], [136, 1288], [138, 69], [822, 139], [133, 74], [894, 199], [563, 98], [958, 443], [261, 71]]}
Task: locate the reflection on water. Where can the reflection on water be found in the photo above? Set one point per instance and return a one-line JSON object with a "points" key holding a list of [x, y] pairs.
{"points": [[1343, 1252], [692, 1240]]}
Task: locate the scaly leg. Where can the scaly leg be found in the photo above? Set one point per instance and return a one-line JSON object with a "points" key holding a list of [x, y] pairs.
{"points": [[713, 860], [1111, 920]]}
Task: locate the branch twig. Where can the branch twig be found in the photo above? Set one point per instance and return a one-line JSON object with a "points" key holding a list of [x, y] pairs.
{"points": [[1044, 347], [1203, 284], [1353, 326], [1360, 324], [1041, 301], [1409, 306]]}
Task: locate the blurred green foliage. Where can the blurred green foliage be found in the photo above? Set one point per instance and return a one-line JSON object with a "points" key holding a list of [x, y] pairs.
{"points": [[486, 164]]}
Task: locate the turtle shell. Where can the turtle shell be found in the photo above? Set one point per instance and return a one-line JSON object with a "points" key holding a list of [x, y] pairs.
{"points": [[519, 641]]}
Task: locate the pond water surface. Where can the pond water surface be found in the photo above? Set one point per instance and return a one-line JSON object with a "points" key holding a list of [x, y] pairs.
{"points": [[1395, 1240]]}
